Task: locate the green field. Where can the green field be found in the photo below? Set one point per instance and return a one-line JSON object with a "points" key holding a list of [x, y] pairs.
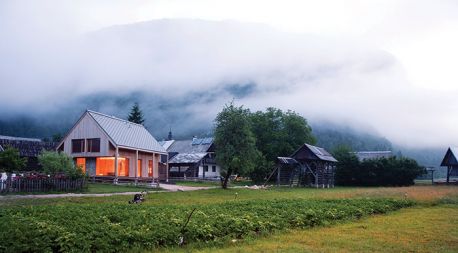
{"points": [[244, 220]]}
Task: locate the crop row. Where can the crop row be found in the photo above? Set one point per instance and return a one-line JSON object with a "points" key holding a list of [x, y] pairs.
{"points": [[119, 227]]}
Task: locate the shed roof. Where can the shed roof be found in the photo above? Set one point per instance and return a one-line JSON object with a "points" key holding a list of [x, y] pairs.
{"points": [[451, 157], [127, 134], [27, 147], [318, 153], [287, 160], [187, 158]]}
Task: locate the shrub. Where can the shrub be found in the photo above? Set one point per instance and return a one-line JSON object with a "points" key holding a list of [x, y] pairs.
{"points": [[56, 164], [10, 160]]}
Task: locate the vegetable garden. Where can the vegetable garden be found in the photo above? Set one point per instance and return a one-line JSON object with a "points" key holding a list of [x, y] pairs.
{"points": [[111, 227]]}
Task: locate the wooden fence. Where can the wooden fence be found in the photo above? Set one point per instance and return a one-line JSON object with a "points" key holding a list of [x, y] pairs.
{"points": [[18, 184]]}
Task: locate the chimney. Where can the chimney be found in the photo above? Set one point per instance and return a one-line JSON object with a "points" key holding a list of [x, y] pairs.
{"points": [[170, 137]]}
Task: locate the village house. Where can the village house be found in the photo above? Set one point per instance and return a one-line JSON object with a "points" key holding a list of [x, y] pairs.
{"points": [[192, 158], [113, 148], [29, 148], [451, 162]]}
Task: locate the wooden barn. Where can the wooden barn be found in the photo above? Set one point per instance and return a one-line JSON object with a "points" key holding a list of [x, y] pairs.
{"points": [[29, 148], [112, 148], [308, 166], [451, 162]]}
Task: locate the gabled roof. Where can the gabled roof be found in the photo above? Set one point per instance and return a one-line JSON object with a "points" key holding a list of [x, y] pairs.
{"points": [[195, 145], [318, 153], [166, 144], [366, 155], [187, 158], [451, 157], [126, 134]]}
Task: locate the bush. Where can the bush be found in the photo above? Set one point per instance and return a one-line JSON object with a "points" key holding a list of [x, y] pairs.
{"points": [[57, 164], [391, 171], [120, 227], [10, 160]]}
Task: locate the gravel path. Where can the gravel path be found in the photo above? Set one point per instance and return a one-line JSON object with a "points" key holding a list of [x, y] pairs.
{"points": [[166, 187]]}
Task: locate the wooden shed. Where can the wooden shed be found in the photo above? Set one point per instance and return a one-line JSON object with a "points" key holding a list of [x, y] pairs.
{"points": [[451, 162], [308, 166]]}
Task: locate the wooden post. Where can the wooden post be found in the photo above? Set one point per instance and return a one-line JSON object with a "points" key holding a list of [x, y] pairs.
{"points": [[116, 165], [449, 169], [136, 167], [278, 176], [432, 177]]}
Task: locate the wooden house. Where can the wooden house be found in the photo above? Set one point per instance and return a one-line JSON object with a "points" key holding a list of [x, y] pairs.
{"points": [[451, 162], [106, 146], [192, 158], [28, 148], [308, 166]]}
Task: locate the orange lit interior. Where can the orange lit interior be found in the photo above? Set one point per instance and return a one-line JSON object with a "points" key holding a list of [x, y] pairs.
{"points": [[139, 168], [81, 162], [150, 168], [105, 166]]}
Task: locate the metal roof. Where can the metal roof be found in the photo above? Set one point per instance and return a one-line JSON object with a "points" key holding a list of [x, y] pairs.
{"points": [[191, 146], [127, 134], [451, 157], [166, 144], [366, 155], [13, 138], [187, 158]]}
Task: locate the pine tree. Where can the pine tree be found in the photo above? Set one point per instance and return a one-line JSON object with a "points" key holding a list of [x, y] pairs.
{"points": [[136, 115]]}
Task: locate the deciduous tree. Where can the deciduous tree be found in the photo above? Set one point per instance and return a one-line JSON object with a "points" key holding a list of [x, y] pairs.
{"points": [[235, 142]]}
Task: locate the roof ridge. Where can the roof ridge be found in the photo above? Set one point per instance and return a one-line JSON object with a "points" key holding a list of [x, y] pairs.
{"points": [[116, 118]]}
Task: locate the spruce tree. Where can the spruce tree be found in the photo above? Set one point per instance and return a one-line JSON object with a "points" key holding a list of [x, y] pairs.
{"points": [[136, 115]]}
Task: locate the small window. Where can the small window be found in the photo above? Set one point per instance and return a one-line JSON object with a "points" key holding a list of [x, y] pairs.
{"points": [[78, 146], [206, 168], [213, 168], [93, 145]]}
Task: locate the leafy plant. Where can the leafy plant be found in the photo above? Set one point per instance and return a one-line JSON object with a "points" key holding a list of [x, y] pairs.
{"points": [[10, 160]]}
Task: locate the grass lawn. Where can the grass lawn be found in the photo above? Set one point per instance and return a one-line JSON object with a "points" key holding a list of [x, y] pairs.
{"points": [[418, 229], [212, 183]]}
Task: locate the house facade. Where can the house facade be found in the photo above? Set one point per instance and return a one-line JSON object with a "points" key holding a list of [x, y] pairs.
{"points": [[106, 146], [192, 158]]}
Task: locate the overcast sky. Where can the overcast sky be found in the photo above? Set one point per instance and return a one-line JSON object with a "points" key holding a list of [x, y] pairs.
{"points": [[385, 65]]}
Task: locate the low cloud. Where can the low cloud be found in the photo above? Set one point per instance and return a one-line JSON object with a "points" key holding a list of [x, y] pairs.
{"points": [[343, 81]]}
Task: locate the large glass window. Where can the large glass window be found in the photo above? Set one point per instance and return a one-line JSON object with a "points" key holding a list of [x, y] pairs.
{"points": [[93, 145], [206, 168], [105, 166], [150, 168], [77, 145], [81, 162], [213, 168]]}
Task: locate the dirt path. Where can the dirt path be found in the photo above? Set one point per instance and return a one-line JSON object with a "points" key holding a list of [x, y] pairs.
{"points": [[166, 187]]}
